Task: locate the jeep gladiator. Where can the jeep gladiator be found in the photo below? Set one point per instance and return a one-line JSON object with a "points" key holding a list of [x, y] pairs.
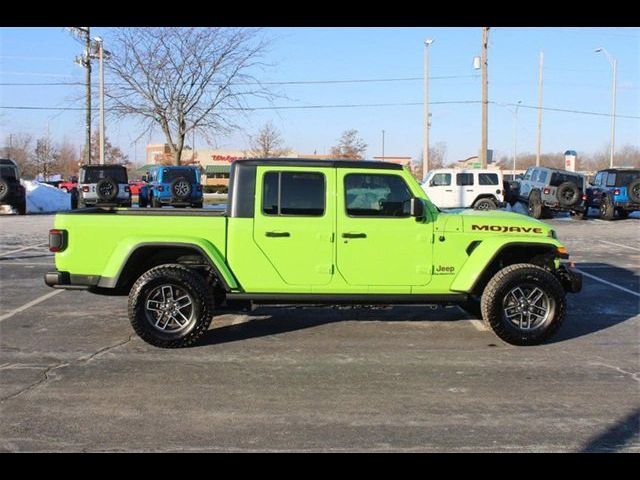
{"points": [[321, 232]]}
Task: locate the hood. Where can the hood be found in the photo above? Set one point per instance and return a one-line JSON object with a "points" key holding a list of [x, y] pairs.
{"points": [[492, 222]]}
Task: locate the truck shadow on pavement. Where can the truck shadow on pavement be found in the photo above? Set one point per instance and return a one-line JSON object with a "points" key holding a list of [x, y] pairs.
{"points": [[616, 437], [598, 307]]}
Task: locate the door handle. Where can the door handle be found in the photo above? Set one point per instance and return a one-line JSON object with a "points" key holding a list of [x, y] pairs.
{"points": [[277, 234], [448, 190], [354, 235], [468, 190]]}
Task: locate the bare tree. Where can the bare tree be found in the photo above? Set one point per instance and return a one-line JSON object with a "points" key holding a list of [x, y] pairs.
{"points": [[350, 146], [437, 155], [45, 157], [184, 79], [268, 143], [111, 154], [68, 159]]}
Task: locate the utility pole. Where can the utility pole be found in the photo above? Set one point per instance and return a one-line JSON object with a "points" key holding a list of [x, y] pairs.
{"points": [[100, 47], [539, 109], [85, 61], [383, 145], [425, 140], [10, 155], [485, 103]]}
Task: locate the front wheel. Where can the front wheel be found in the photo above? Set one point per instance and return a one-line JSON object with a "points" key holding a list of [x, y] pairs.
{"points": [[534, 206], [524, 304], [170, 306]]}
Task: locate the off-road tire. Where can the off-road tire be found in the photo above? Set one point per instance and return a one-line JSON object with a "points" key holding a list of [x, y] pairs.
{"points": [[107, 189], [507, 279], [534, 206], [21, 207], [634, 191], [607, 210], [155, 203], [5, 188], [485, 204], [568, 194], [186, 279]]}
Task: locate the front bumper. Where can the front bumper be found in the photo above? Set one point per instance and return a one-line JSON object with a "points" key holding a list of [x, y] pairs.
{"points": [[570, 279]]}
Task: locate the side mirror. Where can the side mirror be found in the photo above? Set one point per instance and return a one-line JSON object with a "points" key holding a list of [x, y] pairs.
{"points": [[416, 207], [431, 184]]}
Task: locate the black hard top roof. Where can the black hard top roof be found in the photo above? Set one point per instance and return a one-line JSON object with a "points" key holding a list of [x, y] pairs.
{"points": [[6, 161], [304, 162], [620, 169], [106, 165]]}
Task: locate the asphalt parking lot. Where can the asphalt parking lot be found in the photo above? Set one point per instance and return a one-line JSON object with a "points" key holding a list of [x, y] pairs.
{"points": [[74, 377]]}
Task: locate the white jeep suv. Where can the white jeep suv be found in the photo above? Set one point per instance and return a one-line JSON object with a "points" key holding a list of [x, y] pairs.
{"points": [[481, 189]]}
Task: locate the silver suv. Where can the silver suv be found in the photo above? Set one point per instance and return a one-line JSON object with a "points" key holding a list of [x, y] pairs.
{"points": [[547, 190], [103, 186]]}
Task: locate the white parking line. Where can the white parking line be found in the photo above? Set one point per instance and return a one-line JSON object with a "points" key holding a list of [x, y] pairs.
{"points": [[22, 249], [608, 283], [619, 245], [30, 304]]}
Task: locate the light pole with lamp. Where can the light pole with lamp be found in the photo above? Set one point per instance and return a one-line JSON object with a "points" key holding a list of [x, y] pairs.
{"points": [[425, 142], [614, 65]]}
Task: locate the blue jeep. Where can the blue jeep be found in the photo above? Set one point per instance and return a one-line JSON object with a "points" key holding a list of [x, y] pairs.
{"points": [[177, 186], [615, 190]]}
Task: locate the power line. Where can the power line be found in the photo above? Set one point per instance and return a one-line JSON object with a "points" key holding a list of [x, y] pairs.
{"points": [[293, 82], [358, 105]]}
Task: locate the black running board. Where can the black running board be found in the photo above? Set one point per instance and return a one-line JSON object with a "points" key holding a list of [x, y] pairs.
{"points": [[348, 299]]}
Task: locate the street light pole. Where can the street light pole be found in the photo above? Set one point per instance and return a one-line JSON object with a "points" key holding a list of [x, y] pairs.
{"points": [[614, 65], [425, 141], [515, 139], [485, 113]]}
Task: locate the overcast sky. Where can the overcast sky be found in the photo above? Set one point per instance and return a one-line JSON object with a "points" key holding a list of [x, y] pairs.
{"points": [[575, 78]]}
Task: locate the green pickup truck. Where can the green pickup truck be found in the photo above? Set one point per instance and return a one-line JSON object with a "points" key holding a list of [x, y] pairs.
{"points": [[317, 232]]}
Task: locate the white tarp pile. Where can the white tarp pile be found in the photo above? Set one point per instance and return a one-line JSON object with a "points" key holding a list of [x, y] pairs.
{"points": [[45, 198]]}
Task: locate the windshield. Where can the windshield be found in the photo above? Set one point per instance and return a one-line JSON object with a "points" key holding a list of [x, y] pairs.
{"points": [[9, 172], [93, 175], [170, 174]]}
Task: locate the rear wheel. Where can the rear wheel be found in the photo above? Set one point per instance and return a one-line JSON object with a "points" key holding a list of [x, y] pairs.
{"points": [[634, 191], [485, 204], [606, 209], [170, 306], [535, 205], [524, 304]]}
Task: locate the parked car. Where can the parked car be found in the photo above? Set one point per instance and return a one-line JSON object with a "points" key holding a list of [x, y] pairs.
{"points": [[176, 186], [135, 186], [321, 232], [546, 190], [103, 186], [11, 190], [614, 191], [473, 188], [68, 185]]}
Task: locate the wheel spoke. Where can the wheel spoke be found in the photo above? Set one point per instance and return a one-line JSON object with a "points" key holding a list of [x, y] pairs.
{"points": [[153, 305], [167, 293], [182, 299], [517, 294], [535, 296]]}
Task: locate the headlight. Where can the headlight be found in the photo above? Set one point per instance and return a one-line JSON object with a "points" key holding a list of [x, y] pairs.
{"points": [[552, 234]]}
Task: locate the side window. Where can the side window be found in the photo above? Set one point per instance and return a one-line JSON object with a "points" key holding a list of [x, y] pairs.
{"points": [[441, 180], [293, 193], [377, 195], [597, 179], [534, 175], [463, 179], [542, 176], [488, 179], [527, 174], [611, 180]]}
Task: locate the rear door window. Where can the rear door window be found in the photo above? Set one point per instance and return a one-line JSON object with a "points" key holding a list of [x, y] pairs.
{"points": [[170, 174], [463, 179], [293, 193], [94, 175], [542, 176]]}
